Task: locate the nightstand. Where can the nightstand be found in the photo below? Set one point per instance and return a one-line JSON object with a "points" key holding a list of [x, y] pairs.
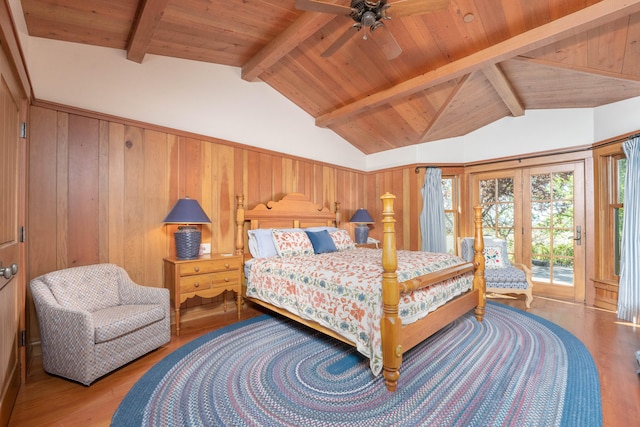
{"points": [[206, 277], [366, 245]]}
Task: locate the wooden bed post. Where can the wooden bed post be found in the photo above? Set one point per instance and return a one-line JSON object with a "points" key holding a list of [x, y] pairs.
{"points": [[479, 281], [390, 324], [239, 224]]}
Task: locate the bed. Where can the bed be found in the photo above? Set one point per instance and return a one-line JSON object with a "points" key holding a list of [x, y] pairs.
{"points": [[383, 313]]}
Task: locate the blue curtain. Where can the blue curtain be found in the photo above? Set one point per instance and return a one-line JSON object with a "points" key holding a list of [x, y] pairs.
{"points": [[432, 223], [629, 290]]}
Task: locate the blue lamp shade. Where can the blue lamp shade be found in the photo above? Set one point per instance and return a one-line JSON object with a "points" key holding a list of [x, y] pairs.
{"points": [[361, 218], [187, 211]]}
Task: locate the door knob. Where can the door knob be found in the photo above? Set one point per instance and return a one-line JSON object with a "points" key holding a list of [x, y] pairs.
{"points": [[7, 272]]}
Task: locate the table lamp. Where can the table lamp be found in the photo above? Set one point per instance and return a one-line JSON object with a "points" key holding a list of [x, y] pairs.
{"points": [[187, 211], [361, 218]]}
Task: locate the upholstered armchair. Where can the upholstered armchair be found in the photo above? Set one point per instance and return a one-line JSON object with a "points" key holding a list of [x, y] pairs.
{"points": [[502, 276], [94, 319]]}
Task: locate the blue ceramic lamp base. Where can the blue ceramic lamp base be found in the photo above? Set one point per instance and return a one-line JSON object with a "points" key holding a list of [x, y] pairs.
{"points": [[361, 233], [187, 242]]}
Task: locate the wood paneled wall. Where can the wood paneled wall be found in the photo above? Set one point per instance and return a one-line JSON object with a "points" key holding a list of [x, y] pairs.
{"points": [[99, 188]]}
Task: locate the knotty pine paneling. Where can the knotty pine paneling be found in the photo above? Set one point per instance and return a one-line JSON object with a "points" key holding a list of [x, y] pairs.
{"points": [[100, 188]]}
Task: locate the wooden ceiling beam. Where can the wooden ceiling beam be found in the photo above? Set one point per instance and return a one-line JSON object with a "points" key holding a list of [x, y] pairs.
{"points": [[501, 84], [149, 16], [585, 19], [304, 27], [452, 96]]}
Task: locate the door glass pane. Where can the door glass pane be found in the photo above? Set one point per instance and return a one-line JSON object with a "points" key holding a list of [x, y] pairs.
{"points": [[505, 190], [487, 191], [563, 214], [563, 271], [541, 268], [563, 185], [540, 187], [540, 214], [498, 207]]}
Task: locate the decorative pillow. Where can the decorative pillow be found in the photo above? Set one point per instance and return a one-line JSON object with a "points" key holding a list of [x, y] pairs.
{"points": [[342, 240], [261, 243], [292, 243], [321, 241], [493, 258]]}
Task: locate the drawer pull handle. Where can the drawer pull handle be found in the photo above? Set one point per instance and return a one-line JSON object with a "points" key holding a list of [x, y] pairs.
{"points": [[196, 269], [226, 266], [196, 284], [226, 279]]}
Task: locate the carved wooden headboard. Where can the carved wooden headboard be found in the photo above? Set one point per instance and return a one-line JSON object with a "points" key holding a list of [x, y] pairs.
{"points": [[293, 210]]}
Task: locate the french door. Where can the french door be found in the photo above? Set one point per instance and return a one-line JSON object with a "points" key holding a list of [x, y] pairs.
{"points": [[539, 211]]}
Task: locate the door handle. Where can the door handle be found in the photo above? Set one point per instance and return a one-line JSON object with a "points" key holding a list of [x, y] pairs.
{"points": [[7, 272], [578, 237]]}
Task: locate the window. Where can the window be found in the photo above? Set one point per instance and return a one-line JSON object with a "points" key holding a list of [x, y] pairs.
{"points": [[450, 211], [618, 165]]}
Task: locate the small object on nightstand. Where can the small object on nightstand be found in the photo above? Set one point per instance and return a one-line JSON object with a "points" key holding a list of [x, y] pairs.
{"points": [[206, 277]]}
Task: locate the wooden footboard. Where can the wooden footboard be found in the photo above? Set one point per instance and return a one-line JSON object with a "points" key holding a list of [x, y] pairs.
{"points": [[396, 338]]}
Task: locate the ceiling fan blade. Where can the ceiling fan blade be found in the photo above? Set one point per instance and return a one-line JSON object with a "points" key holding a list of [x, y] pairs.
{"points": [[401, 8], [340, 41], [385, 41], [318, 6]]}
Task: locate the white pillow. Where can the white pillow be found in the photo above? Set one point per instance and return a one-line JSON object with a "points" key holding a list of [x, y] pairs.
{"points": [[321, 228], [261, 243]]}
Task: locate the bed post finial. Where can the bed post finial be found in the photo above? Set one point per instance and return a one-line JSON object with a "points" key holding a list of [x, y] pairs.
{"points": [[239, 224], [479, 281], [337, 211], [390, 324]]}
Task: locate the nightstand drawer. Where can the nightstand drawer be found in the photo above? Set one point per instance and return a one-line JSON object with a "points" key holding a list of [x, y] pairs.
{"points": [[226, 278], [200, 282], [210, 266]]}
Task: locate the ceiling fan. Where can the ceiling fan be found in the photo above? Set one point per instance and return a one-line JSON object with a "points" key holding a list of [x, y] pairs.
{"points": [[370, 14]]}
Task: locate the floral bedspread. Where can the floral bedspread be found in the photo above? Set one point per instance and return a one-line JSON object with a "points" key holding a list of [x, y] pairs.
{"points": [[342, 290]]}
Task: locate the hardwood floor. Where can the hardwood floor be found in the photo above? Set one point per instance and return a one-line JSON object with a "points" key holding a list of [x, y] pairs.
{"points": [[51, 401]]}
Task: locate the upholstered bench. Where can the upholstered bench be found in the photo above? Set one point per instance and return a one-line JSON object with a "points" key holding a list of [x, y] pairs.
{"points": [[94, 319], [502, 276]]}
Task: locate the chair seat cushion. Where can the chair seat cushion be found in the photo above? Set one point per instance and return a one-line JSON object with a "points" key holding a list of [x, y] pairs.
{"points": [[114, 322], [509, 277], [505, 275]]}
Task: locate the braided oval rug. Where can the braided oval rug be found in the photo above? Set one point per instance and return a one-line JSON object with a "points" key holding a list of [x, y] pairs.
{"points": [[513, 369]]}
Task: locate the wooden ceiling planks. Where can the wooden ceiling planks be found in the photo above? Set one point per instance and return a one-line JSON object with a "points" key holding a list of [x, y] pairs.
{"points": [[437, 88]]}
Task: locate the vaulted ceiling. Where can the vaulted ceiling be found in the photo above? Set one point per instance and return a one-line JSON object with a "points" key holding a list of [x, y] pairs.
{"points": [[461, 67]]}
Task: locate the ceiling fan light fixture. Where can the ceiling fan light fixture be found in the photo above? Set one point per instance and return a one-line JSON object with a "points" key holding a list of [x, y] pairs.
{"points": [[368, 18]]}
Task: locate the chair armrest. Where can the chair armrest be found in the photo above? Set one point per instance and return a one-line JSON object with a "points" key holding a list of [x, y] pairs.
{"points": [[70, 324], [527, 270]]}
